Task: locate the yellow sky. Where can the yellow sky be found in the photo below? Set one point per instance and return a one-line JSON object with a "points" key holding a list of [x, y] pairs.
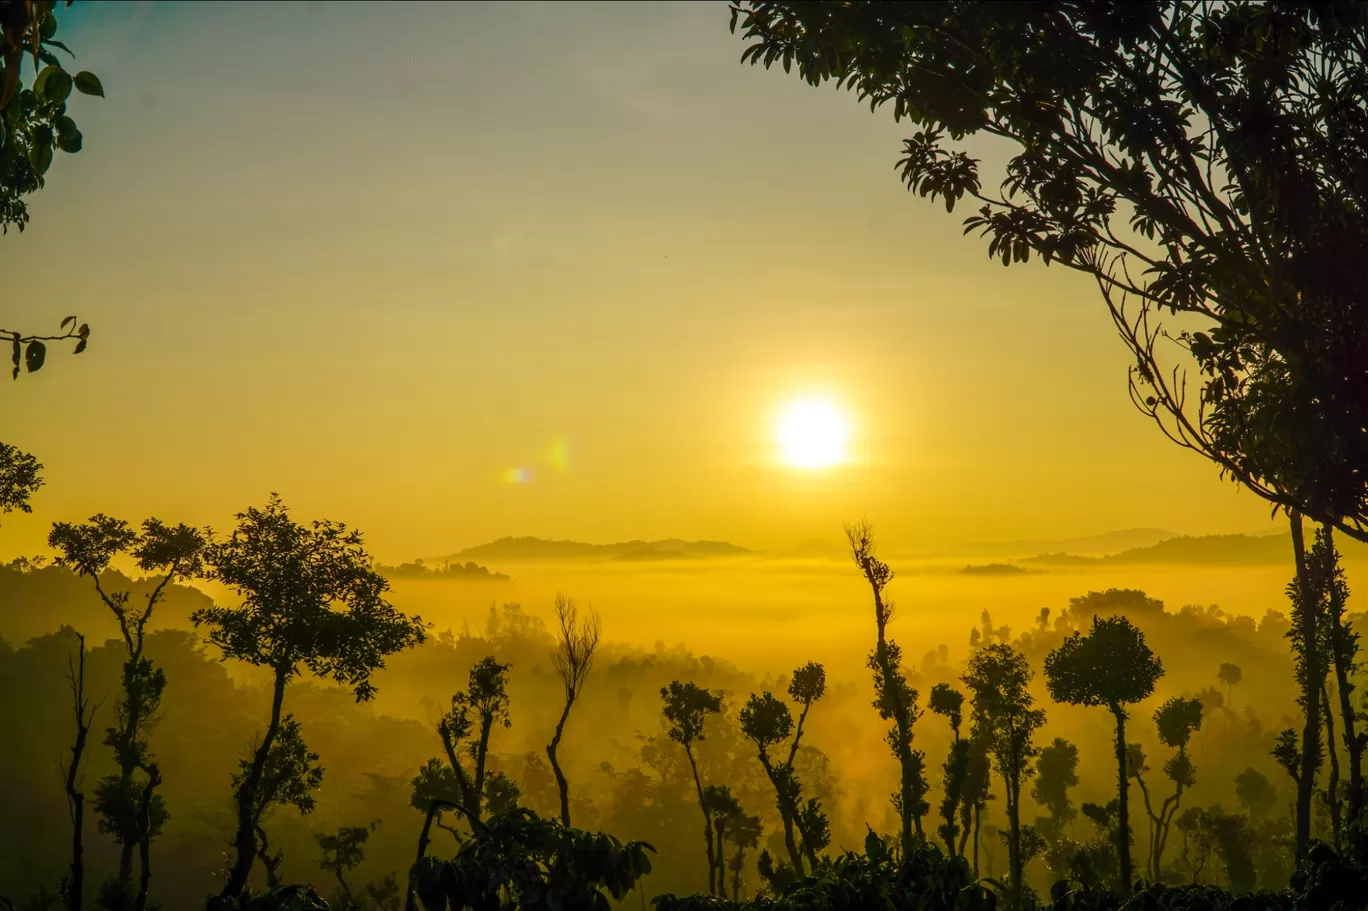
{"points": [[377, 256]]}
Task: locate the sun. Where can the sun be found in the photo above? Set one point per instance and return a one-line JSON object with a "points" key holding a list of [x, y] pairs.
{"points": [[813, 433]]}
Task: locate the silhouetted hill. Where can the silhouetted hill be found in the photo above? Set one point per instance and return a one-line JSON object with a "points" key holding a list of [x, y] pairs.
{"points": [[1110, 542], [1207, 549], [451, 572], [994, 569], [543, 549]]}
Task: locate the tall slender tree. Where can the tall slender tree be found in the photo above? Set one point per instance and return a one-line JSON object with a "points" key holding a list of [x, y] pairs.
{"points": [[687, 706], [486, 698], [573, 657], [948, 702], [311, 601], [1112, 667], [73, 885], [129, 807], [998, 678], [895, 699]]}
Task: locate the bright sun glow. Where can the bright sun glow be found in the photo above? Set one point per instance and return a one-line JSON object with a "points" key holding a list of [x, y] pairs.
{"points": [[813, 433]]}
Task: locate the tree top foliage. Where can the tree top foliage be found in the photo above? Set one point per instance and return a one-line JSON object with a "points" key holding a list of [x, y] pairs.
{"points": [[310, 598], [20, 479], [687, 705], [1201, 160], [1110, 666]]}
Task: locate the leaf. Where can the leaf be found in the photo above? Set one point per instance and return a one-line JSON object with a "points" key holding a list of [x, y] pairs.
{"points": [[58, 86], [65, 126], [16, 355], [84, 331], [80, 346], [69, 321], [40, 157], [34, 356], [70, 144], [53, 42], [87, 83], [40, 83]]}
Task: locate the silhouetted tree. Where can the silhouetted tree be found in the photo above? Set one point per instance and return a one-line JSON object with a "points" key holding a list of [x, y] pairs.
{"points": [[485, 697], [343, 851], [20, 479], [130, 810], [895, 699], [573, 656], [744, 831], [1230, 675], [310, 601], [998, 679], [948, 702], [1056, 773], [1185, 154], [725, 811], [1255, 793], [1323, 564], [1112, 667], [35, 118], [73, 886], [687, 706], [976, 791], [289, 778], [1307, 637], [1177, 720], [767, 723]]}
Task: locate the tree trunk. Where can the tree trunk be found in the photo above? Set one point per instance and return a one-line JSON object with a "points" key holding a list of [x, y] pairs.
{"points": [[707, 821], [561, 784], [1310, 758], [269, 863], [1332, 785], [978, 818], [1014, 865], [411, 899], [75, 886], [1123, 820], [786, 813], [245, 841], [145, 834], [1342, 658]]}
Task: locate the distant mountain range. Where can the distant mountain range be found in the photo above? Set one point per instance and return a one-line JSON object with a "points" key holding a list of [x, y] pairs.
{"points": [[543, 549], [1208, 549], [1107, 543]]}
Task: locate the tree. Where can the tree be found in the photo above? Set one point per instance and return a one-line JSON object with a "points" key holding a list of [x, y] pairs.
{"points": [[1177, 720], [311, 601], [1230, 675], [573, 657], [33, 118], [1327, 579], [767, 723], [1112, 667], [34, 124], [687, 706], [895, 699], [998, 679], [289, 778], [73, 886], [1195, 160], [20, 479], [1255, 793], [948, 702], [486, 697], [975, 794], [343, 851], [131, 810], [1307, 635], [744, 831], [1056, 773]]}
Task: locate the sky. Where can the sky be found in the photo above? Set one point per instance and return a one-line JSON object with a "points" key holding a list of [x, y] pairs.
{"points": [[448, 272]]}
